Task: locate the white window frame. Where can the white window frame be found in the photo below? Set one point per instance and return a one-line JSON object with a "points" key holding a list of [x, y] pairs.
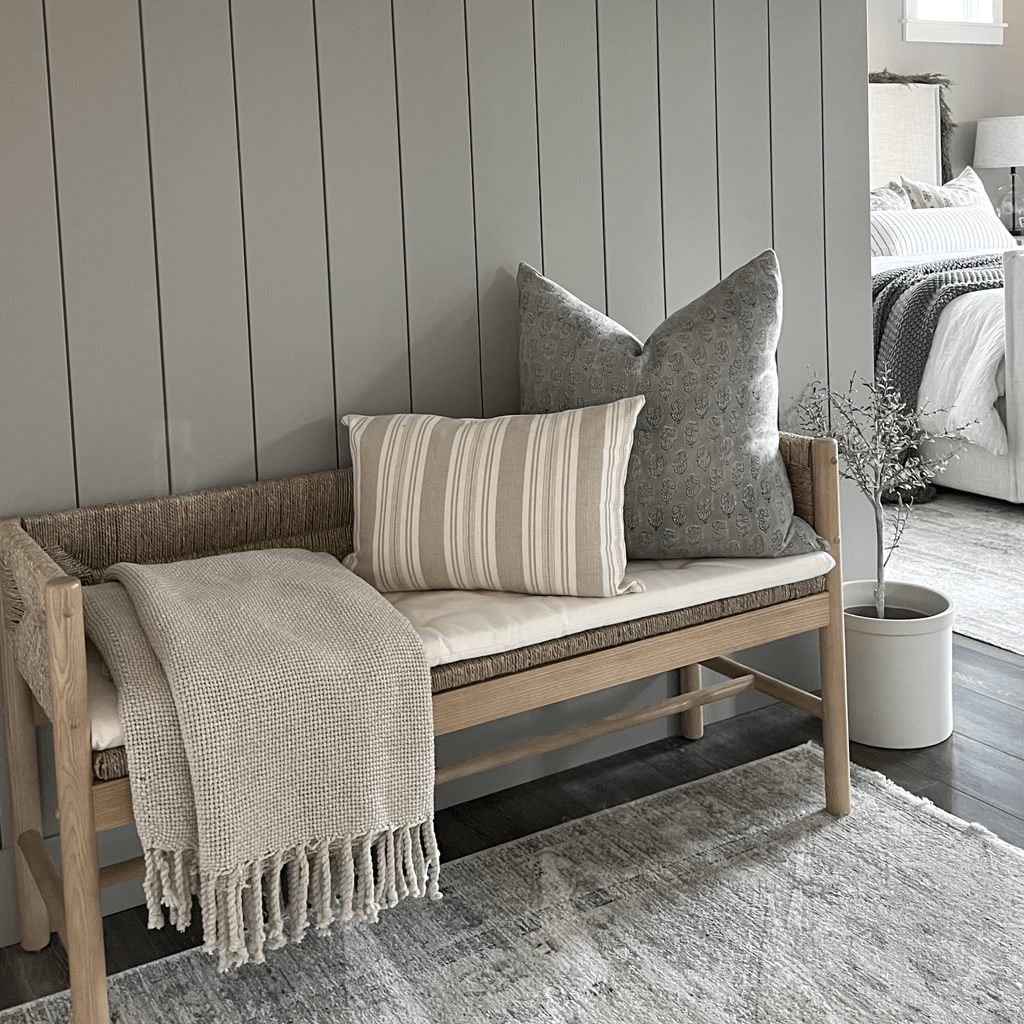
{"points": [[918, 30]]}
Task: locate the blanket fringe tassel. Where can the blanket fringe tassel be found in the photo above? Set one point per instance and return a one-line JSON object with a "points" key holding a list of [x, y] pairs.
{"points": [[244, 912]]}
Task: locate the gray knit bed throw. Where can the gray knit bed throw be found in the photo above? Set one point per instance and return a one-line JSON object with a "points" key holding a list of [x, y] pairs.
{"points": [[907, 304], [277, 718]]}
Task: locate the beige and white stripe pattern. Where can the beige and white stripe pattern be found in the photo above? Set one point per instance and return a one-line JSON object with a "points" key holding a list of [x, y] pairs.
{"points": [[528, 504], [952, 229]]}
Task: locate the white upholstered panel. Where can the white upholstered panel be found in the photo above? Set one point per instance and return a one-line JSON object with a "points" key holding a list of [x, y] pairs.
{"points": [[904, 133]]}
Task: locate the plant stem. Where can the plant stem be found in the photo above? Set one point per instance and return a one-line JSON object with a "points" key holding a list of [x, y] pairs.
{"points": [[879, 554]]}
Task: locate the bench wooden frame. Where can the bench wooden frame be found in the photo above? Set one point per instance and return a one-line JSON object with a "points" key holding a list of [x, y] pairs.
{"points": [[71, 904]]}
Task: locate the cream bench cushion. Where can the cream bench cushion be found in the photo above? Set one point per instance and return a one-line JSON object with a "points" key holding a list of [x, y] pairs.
{"points": [[457, 625]]}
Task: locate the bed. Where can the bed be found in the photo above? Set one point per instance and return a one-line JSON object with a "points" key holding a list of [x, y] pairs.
{"points": [[973, 378]]}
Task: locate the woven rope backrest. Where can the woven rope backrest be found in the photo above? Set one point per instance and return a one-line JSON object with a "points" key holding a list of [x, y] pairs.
{"points": [[313, 510], [796, 453]]}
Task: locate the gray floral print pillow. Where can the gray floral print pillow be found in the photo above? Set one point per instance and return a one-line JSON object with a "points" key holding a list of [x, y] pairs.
{"points": [[705, 476]]}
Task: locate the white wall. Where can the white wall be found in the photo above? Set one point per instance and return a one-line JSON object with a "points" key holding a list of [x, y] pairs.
{"points": [[224, 225], [988, 81]]}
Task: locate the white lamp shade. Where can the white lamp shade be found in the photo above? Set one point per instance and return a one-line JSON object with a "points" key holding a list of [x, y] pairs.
{"points": [[1000, 142]]}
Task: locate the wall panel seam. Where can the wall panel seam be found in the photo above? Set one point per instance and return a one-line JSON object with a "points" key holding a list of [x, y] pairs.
{"points": [[327, 236], [661, 156], [600, 150], [401, 195], [536, 119], [156, 253], [60, 253], [824, 204], [771, 117], [718, 161], [245, 244], [472, 199]]}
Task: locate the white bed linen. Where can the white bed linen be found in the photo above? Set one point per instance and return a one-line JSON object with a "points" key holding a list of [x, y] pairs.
{"points": [[455, 625], [966, 369]]}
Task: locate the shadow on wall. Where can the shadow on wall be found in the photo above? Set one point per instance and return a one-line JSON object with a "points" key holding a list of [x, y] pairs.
{"points": [[297, 449], [450, 387], [499, 346]]}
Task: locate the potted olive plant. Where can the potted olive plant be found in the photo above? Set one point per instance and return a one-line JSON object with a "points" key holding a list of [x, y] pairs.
{"points": [[899, 636]]}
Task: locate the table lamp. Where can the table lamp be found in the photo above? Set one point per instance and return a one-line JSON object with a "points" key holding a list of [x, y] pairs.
{"points": [[1000, 143]]}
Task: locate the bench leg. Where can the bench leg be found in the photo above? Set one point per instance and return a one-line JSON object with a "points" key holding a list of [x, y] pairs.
{"points": [[693, 721], [23, 776], [26, 815], [72, 752], [834, 724], [831, 638]]}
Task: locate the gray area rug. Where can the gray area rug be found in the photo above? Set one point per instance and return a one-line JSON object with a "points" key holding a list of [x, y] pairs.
{"points": [[971, 549], [735, 898]]}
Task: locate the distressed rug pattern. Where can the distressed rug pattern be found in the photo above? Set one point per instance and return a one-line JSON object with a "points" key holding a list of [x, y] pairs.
{"points": [[734, 898], [971, 549]]}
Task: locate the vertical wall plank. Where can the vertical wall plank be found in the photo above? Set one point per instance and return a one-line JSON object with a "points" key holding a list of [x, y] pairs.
{"points": [[507, 192], [286, 245], [798, 196], [847, 237], [36, 460], [437, 185], [744, 130], [628, 70], [199, 243], [364, 207], [689, 148], [106, 222], [106, 212], [570, 146]]}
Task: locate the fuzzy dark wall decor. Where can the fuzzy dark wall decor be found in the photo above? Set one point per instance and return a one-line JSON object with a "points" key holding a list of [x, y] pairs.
{"points": [[946, 123]]}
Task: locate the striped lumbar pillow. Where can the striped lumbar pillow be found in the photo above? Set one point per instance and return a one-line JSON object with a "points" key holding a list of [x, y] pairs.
{"points": [[530, 504], [951, 229]]}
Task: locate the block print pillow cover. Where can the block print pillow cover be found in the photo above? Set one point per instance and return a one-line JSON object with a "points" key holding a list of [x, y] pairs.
{"points": [[890, 197], [705, 477], [966, 189]]}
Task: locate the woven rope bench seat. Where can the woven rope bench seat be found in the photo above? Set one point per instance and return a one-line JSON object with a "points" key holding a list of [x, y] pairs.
{"points": [[476, 670], [113, 763]]}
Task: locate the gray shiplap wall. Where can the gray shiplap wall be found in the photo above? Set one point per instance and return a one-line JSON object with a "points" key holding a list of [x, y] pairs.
{"points": [[224, 225]]}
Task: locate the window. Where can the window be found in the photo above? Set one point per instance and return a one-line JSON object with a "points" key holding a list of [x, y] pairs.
{"points": [[953, 21]]}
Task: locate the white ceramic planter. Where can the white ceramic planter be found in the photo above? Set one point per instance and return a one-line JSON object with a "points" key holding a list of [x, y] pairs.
{"points": [[899, 672]]}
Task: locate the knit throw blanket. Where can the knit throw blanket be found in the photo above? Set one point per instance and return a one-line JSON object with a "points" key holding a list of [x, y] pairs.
{"points": [[277, 718], [906, 307]]}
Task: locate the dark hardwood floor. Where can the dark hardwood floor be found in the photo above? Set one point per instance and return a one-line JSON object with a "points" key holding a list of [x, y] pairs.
{"points": [[977, 774]]}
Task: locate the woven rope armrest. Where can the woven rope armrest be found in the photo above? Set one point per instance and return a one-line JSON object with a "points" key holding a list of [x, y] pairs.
{"points": [[25, 569]]}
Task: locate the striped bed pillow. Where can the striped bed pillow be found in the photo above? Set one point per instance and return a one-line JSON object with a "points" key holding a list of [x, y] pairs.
{"points": [[528, 504], [950, 229]]}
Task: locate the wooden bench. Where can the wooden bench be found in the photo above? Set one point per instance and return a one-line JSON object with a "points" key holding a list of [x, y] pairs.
{"points": [[45, 560]]}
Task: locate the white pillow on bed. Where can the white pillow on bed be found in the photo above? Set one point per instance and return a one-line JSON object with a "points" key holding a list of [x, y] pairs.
{"points": [[966, 189], [906, 232], [890, 197]]}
